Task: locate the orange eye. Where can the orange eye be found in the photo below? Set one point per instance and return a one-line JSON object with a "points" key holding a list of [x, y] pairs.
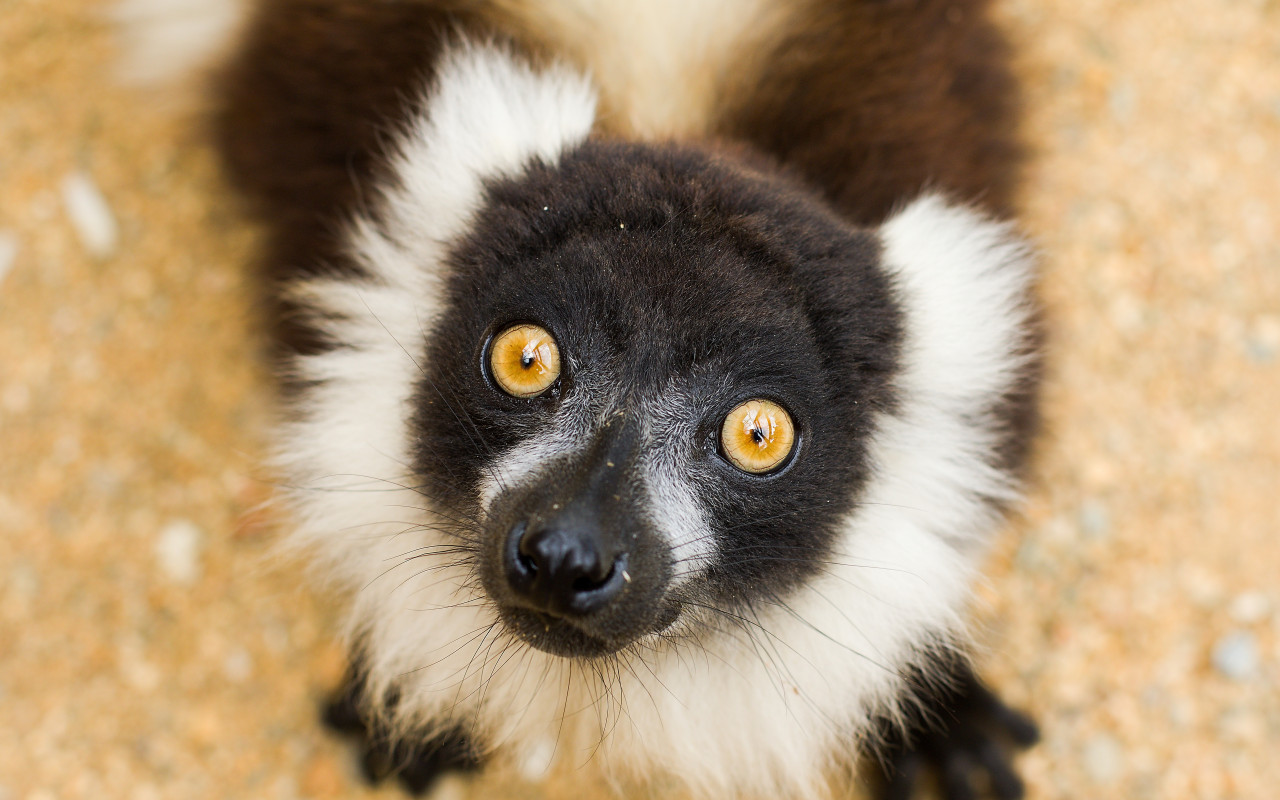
{"points": [[524, 360], [757, 436]]}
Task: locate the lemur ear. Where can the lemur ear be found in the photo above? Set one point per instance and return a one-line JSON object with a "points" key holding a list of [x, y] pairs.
{"points": [[964, 284]]}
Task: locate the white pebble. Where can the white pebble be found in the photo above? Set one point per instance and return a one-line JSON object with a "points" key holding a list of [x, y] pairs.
{"points": [[1236, 655], [146, 791], [284, 788], [1095, 520], [90, 215], [237, 666], [138, 671], [8, 252], [1250, 607], [178, 551], [1242, 725], [1103, 758], [22, 591]]}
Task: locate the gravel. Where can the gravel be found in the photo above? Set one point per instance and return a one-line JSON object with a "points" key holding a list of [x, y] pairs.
{"points": [[1103, 758], [238, 665], [1250, 607], [178, 550], [1095, 520], [90, 215], [1263, 340], [8, 253], [1236, 655]]}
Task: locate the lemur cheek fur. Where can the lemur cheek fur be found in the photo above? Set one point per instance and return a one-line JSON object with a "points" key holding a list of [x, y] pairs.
{"points": [[619, 342]]}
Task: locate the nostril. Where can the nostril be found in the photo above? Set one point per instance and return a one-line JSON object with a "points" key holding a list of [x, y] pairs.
{"points": [[589, 583], [520, 567], [528, 564]]}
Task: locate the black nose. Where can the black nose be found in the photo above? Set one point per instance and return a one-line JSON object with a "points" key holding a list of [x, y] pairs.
{"points": [[564, 572]]}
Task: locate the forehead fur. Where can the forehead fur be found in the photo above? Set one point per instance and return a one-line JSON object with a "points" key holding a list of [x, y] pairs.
{"points": [[672, 253]]}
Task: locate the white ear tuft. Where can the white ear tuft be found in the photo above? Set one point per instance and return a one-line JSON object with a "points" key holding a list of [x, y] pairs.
{"points": [[964, 280]]}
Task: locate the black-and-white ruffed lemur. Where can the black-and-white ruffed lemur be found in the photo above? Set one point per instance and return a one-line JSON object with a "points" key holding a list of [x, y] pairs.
{"points": [[654, 372]]}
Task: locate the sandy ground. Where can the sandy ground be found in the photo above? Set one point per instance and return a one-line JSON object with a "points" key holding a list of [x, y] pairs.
{"points": [[147, 650]]}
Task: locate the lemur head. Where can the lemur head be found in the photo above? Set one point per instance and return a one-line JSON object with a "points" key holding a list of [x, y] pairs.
{"points": [[651, 392]]}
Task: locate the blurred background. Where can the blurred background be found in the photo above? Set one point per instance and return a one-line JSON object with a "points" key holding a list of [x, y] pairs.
{"points": [[149, 649]]}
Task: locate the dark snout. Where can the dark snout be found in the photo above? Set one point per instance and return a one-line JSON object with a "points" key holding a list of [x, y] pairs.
{"points": [[565, 568], [578, 569]]}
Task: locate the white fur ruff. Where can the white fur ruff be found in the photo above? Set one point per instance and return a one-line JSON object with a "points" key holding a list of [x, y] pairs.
{"points": [[766, 713]]}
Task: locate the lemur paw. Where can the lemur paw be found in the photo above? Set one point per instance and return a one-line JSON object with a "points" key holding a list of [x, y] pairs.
{"points": [[415, 764], [970, 746]]}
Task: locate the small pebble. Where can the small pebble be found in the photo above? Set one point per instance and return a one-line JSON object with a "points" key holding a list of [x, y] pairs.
{"points": [[23, 587], [1121, 101], [146, 791], [1263, 341], [8, 252], [1154, 697], [178, 551], [16, 398], [90, 215], [284, 788], [1203, 587], [1031, 557], [321, 778], [1095, 520], [1183, 712], [237, 666], [1103, 758], [136, 669], [1250, 607], [1236, 655], [1241, 725], [1260, 352]]}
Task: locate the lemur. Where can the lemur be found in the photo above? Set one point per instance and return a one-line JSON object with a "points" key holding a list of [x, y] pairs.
{"points": [[653, 373]]}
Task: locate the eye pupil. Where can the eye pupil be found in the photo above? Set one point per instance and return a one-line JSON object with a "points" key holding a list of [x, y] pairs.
{"points": [[524, 360], [757, 436]]}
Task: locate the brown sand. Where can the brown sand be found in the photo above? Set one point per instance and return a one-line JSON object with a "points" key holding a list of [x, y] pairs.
{"points": [[132, 407]]}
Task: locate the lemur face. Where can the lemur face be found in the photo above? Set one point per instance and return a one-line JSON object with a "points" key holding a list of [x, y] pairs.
{"points": [[649, 396]]}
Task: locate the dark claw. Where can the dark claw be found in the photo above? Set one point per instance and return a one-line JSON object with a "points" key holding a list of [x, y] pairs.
{"points": [[902, 780], [415, 764], [968, 736]]}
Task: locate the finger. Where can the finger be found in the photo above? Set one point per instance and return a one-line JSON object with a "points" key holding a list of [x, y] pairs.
{"points": [[1017, 725], [957, 769], [1005, 783], [902, 776]]}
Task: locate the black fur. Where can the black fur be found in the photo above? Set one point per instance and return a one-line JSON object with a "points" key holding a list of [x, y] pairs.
{"points": [[664, 265], [415, 763], [960, 730]]}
